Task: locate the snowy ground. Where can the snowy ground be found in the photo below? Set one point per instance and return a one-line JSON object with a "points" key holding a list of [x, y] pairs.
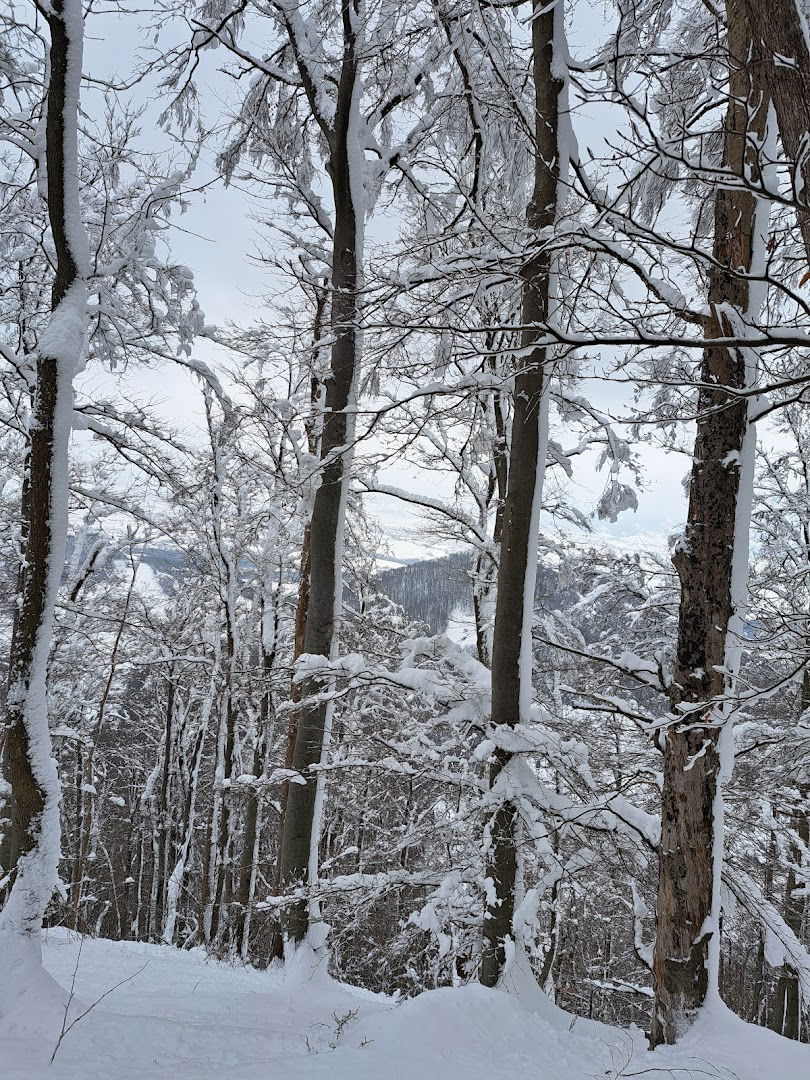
{"points": [[182, 1017]]}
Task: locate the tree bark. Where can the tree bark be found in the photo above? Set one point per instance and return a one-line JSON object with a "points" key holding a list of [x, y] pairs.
{"points": [[252, 826], [301, 609], [787, 996], [326, 527], [32, 852], [485, 567], [781, 48], [517, 570], [224, 844], [164, 813], [302, 606], [688, 903]]}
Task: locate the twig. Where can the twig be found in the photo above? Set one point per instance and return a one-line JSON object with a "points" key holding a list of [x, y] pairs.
{"points": [[89, 1008]]}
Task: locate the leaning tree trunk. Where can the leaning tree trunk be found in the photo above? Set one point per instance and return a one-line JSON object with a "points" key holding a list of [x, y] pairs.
{"points": [[328, 514], [517, 571], [781, 49], [711, 562], [32, 852]]}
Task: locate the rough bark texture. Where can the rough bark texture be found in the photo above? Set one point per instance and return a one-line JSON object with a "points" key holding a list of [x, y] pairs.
{"points": [[32, 617], [327, 514], [704, 565], [780, 45], [516, 541]]}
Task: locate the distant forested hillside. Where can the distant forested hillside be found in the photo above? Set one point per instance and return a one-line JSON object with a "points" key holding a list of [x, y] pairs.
{"points": [[431, 589]]}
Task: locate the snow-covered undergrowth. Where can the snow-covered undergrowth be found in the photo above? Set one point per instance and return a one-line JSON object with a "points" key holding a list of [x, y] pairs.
{"points": [[179, 1016]]}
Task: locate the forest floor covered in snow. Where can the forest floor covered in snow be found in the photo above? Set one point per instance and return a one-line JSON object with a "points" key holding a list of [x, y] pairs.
{"points": [[181, 1016]]}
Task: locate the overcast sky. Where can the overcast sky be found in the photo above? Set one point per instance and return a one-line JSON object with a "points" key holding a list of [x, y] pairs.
{"points": [[217, 239]]}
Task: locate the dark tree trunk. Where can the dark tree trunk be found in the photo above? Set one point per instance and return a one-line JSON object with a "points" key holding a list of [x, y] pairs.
{"points": [[526, 463], [34, 788], [704, 562], [302, 605], [780, 47], [326, 526], [299, 634]]}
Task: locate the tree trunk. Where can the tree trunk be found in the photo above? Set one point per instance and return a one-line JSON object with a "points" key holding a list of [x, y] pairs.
{"points": [[485, 567], [299, 634], [302, 606], [252, 826], [759, 1000], [787, 996], [164, 824], [511, 645], [33, 844], [224, 854], [175, 882], [326, 527], [715, 544], [85, 776], [781, 48]]}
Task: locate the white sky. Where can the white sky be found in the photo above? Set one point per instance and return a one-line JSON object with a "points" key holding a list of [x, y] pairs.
{"points": [[216, 239]]}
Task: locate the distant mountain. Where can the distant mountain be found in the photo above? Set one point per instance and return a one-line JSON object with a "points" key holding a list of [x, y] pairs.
{"points": [[435, 590], [431, 589]]}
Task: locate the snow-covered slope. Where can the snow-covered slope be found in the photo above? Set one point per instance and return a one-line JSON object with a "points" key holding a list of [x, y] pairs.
{"points": [[182, 1017]]}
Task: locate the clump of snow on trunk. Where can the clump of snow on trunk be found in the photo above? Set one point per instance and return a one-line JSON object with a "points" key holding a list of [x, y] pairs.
{"points": [[61, 351]]}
